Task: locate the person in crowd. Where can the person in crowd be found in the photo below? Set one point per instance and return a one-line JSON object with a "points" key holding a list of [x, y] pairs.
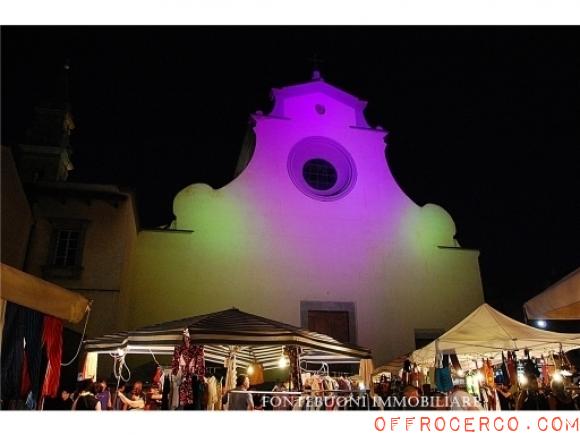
{"points": [[505, 396], [239, 399], [65, 401], [153, 399], [461, 400], [86, 400], [282, 402], [411, 397], [559, 399], [104, 395], [532, 399], [137, 400]]}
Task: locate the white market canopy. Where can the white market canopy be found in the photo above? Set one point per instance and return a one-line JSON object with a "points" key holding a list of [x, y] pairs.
{"points": [[486, 332], [560, 301], [258, 339]]}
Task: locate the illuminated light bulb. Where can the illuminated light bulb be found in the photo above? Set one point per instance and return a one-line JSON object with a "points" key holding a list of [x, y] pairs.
{"points": [[480, 377], [522, 379], [250, 369], [361, 386], [558, 377], [282, 362], [541, 323], [460, 373]]}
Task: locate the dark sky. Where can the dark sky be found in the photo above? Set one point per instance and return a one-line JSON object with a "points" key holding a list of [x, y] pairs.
{"points": [[483, 120]]}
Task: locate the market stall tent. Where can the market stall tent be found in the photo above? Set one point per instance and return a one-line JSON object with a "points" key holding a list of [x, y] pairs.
{"points": [[255, 338], [560, 301], [486, 332]]}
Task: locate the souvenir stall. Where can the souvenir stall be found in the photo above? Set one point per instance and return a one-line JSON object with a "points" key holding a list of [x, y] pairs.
{"points": [[236, 340], [33, 312], [490, 353]]}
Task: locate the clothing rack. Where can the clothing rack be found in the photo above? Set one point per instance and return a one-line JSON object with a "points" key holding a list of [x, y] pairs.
{"points": [[322, 371]]}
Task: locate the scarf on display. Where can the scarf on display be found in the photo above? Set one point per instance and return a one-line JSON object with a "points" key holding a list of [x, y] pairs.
{"points": [[52, 340]]}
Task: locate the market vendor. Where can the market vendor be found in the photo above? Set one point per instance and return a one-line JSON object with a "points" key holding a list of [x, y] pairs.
{"points": [[239, 399], [137, 401]]}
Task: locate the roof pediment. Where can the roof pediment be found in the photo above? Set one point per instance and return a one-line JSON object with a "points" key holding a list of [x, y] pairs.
{"points": [[312, 88]]}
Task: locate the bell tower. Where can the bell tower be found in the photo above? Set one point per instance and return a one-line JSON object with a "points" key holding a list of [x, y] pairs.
{"points": [[46, 153]]}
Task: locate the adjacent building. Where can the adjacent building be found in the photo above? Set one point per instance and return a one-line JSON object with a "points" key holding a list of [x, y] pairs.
{"points": [[77, 235]]}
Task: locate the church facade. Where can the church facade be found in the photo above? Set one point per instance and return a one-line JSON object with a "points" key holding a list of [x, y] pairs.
{"points": [[313, 231]]}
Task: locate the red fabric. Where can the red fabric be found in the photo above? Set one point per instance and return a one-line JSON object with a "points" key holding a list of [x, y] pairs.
{"points": [[25, 384], [52, 341]]}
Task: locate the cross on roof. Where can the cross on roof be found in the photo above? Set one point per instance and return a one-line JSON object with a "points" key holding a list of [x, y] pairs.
{"points": [[316, 61]]}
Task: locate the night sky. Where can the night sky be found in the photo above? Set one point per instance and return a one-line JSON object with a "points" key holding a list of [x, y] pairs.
{"points": [[484, 121]]}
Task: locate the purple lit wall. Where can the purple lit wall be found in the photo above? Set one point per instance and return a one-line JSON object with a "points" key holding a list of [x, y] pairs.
{"points": [[316, 216]]}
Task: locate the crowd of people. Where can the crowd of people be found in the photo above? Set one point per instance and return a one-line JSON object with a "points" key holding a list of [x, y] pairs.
{"points": [[98, 396], [93, 396], [531, 397]]}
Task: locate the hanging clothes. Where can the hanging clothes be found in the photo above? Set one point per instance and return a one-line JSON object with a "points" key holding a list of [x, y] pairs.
{"points": [[12, 353], [174, 395], [230, 363], [211, 393], [90, 366], [488, 373], [52, 341], [219, 394], [25, 385], [504, 370], [512, 369], [190, 360], [32, 322], [443, 379], [22, 335]]}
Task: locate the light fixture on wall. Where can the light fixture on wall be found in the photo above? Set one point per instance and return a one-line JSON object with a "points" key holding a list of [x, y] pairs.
{"points": [[250, 369]]}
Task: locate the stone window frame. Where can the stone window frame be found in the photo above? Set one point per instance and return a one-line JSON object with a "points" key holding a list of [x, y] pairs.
{"points": [[52, 270], [349, 307]]}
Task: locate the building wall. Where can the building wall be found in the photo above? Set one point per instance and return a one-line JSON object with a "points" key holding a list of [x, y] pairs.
{"points": [[108, 239], [262, 245], [16, 214]]}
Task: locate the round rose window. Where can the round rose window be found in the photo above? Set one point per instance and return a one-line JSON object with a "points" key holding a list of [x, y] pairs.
{"points": [[321, 168]]}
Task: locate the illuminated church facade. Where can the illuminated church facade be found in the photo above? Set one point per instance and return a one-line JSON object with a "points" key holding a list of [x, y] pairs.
{"points": [[313, 231]]}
